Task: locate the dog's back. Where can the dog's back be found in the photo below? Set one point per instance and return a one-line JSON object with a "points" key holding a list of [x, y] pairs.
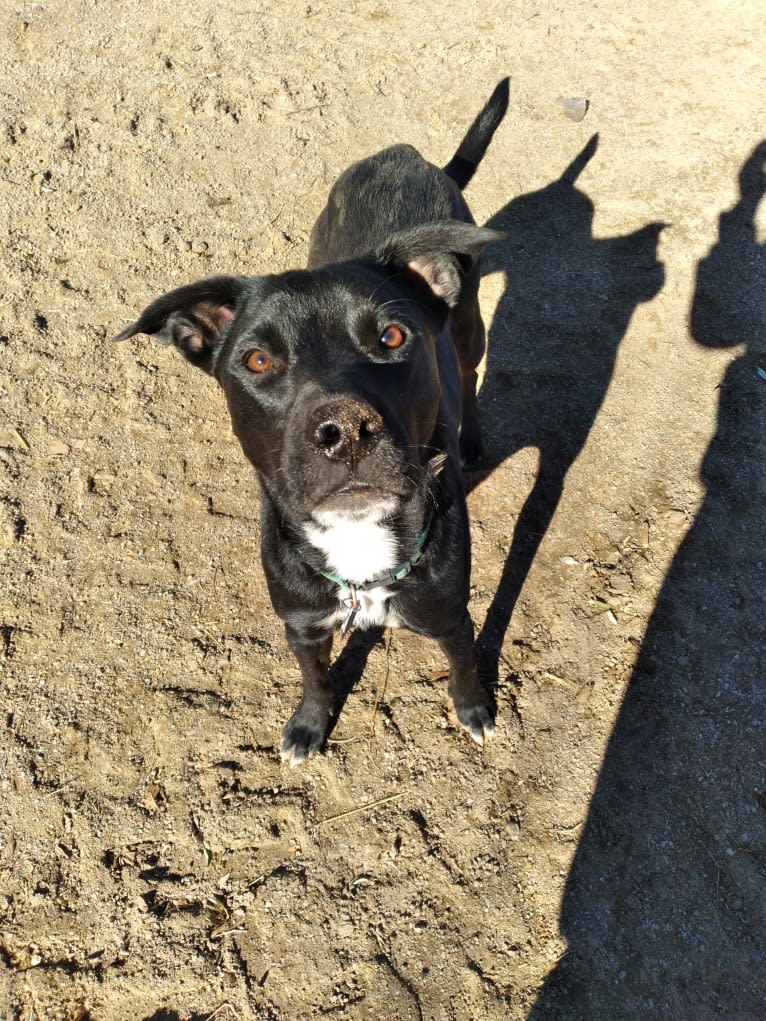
{"points": [[393, 190], [397, 189]]}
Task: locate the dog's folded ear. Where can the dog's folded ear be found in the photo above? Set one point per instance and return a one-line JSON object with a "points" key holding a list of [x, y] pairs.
{"points": [[441, 253], [192, 317]]}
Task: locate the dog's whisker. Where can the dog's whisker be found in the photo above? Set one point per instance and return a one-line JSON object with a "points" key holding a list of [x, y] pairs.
{"points": [[392, 302]]}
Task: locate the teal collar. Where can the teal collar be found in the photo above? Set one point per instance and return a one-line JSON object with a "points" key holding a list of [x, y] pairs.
{"points": [[387, 577]]}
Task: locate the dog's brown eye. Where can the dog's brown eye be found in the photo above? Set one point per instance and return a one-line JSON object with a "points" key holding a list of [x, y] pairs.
{"points": [[258, 361], [392, 337]]}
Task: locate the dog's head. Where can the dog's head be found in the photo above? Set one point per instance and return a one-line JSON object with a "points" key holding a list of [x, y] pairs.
{"points": [[331, 375]]}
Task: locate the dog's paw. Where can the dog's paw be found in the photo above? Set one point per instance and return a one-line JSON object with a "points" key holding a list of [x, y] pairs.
{"points": [[301, 739], [471, 450], [477, 721], [471, 443]]}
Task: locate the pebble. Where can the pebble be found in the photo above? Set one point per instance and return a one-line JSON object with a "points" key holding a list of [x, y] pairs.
{"points": [[575, 107]]}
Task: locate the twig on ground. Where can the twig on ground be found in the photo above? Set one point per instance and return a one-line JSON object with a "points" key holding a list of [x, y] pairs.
{"points": [[362, 808]]}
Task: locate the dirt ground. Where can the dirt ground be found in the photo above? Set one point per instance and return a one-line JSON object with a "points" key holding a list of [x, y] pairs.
{"points": [[605, 856]]}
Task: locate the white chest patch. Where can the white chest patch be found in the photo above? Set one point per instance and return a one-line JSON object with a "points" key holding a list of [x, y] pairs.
{"points": [[358, 551]]}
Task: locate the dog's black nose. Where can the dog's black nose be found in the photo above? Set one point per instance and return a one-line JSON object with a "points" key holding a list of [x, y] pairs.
{"points": [[346, 429]]}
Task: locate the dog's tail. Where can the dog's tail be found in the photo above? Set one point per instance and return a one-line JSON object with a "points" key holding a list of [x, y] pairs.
{"points": [[463, 164]]}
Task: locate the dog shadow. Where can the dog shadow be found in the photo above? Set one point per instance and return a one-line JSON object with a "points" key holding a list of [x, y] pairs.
{"points": [[349, 665], [552, 345], [665, 902]]}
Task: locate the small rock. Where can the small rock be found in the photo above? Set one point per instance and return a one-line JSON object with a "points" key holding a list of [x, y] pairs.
{"points": [[621, 584], [675, 518], [102, 483], [155, 238], [57, 448], [575, 107]]}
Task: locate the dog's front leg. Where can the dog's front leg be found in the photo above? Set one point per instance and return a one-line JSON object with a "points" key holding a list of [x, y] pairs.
{"points": [[307, 727], [472, 701]]}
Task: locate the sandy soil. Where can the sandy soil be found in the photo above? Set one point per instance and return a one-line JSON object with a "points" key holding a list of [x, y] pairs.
{"points": [[605, 856]]}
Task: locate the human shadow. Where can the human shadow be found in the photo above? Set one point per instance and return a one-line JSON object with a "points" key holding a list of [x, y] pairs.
{"points": [[665, 905], [568, 300]]}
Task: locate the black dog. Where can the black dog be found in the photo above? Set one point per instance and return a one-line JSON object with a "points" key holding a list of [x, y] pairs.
{"points": [[352, 390]]}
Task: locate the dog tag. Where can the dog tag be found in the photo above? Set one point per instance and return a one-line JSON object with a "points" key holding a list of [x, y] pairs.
{"points": [[353, 606]]}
